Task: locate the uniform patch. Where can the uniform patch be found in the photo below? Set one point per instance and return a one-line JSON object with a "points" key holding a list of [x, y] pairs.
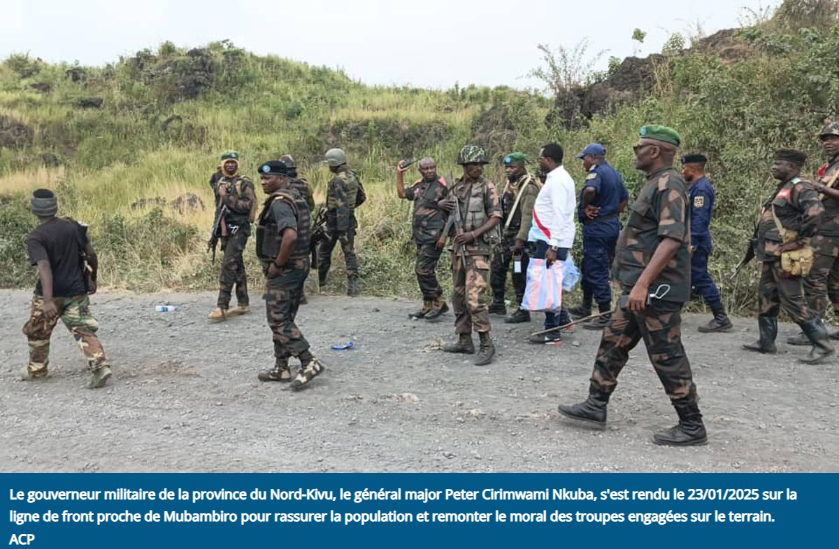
{"points": [[785, 194], [698, 201], [591, 176]]}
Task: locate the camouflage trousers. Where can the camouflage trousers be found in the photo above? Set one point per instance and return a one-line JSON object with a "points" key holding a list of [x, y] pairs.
{"points": [[660, 325], [75, 313], [821, 286], [500, 266], [347, 240], [777, 291], [428, 255], [282, 300], [233, 270], [470, 281]]}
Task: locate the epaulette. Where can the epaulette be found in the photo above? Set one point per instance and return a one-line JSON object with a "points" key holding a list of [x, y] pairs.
{"points": [[663, 181]]}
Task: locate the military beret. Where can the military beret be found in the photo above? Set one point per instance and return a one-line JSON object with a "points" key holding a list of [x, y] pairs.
{"points": [[791, 155], [515, 158], [274, 167], [661, 133], [694, 159], [230, 155]]}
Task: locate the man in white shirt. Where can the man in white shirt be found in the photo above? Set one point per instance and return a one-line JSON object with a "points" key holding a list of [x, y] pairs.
{"points": [[553, 227]]}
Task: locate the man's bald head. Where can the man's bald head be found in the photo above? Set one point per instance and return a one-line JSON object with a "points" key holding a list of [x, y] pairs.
{"points": [[428, 168]]}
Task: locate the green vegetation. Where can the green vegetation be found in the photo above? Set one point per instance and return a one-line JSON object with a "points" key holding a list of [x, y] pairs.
{"points": [[152, 125]]}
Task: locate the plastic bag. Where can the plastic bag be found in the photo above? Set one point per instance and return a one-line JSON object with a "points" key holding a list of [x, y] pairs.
{"points": [[544, 287], [570, 274]]}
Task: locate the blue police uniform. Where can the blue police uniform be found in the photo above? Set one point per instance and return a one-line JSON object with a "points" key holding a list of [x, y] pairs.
{"points": [[600, 235], [702, 199]]}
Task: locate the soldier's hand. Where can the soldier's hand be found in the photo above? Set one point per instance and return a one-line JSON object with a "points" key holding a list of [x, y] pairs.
{"points": [[592, 212], [463, 239], [441, 242], [638, 298], [273, 271], [790, 246], [49, 309], [447, 205], [400, 168], [222, 190]]}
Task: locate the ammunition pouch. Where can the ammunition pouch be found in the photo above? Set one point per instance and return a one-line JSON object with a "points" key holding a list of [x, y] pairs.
{"points": [[798, 262]]}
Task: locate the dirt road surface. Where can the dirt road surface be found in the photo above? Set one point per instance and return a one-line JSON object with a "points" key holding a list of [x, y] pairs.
{"points": [[184, 397]]}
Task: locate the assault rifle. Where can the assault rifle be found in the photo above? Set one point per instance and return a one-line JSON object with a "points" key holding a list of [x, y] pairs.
{"points": [[219, 229], [750, 254], [455, 218], [319, 232]]}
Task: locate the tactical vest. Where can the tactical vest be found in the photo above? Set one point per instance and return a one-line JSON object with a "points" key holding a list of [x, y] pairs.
{"points": [[474, 215], [268, 238], [351, 185], [237, 186]]}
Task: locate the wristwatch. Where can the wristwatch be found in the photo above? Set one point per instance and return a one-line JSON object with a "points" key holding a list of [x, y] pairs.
{"points": [[554, 248]]}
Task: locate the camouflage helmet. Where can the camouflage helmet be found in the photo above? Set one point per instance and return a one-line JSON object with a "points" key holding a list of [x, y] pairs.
{"points": [[289, 160], [830, 129], [335, 157], [472, 154]]}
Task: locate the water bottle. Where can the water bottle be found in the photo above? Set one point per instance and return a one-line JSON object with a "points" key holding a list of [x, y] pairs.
{"points": [[167, 308]]}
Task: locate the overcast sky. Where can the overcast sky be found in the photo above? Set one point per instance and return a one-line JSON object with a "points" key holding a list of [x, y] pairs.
{"points": [[434, 43]]}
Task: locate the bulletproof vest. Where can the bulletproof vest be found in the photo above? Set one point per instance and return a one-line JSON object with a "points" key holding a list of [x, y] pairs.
{"points": [[508, 199], [473, 213], [268, 238], [237, 187], [351, 185], [302, 186]]}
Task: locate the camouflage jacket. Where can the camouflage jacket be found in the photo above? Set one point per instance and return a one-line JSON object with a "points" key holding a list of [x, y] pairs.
{"points": [[797, 205], [826, 242], [302, 186], [340, 201], [528, 185], [429, 219], [478, 202], [240, 201], [661, 211]]}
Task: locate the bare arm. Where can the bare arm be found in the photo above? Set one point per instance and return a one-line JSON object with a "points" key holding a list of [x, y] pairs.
{"points": [[400, 180], [45, 274]]}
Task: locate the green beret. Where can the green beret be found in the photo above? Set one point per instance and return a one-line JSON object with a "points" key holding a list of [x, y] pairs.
{"points": [[230, 155], [661, 133], [515, 158]]}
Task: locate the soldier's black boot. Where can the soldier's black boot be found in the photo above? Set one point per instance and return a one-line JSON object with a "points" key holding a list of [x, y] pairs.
{"points": [[768, 328], [463, 344], [322, 278], [518, 317], [591, 413], [486, 351], [720, 322], [427, 304], [580, 311], [689, 432], [497, 307], [816, 332], [600, 322], [281, 372], [352, 286]]}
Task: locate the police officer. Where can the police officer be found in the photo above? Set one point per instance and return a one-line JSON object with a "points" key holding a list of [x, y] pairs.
{"points": [[788, 221], [702, 198], [821, 286], [472, 240], [517, 201], [602, 200], [235, 211], [282, 246], [652, 258], [429, 220], [343, 194]]}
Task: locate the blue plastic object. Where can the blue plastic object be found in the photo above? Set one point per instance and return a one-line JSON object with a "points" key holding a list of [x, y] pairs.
{"points": [[345, 347]]}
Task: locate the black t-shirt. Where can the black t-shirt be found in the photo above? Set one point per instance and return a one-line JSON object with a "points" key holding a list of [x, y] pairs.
{"points": [[58, 241]]}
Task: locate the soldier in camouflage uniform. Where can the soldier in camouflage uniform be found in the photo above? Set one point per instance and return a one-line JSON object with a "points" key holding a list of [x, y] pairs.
{"points": [[652, 257], [56, 247], [282, 246], [788, 221], [300, 185], [342, 197], [517, 201], [235, 210], [429, 220], [472, 241], [821, 286]]}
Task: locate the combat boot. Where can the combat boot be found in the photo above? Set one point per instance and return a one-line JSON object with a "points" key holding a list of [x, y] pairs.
{"points": [[822, 348], [239, 310], [352, 286], [497, 307], [720, 322], [600, 322], [218, 314], [322, 279], [580, 311], [487, 350], [281, 372], [690, 430], [799, 340], [518, 317], [768, 329], [427, 305], [307, 373], [26, 375], [463, 344], [438, 309], [99, 377], [591, 413]]}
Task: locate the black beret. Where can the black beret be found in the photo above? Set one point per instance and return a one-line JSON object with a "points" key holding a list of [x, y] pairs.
{"points": [[694, 159], [791, 155], [274, 167]]}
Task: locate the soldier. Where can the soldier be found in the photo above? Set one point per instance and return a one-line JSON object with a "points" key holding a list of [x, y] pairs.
{"points": [[821, 286], [517, 204], [702, 198], [475, 200], [428, 223], [214, 179], [343, 194], [301, 186], [652, 259], [602, 199], [282, 246], [235, 211], [60, 248], [788, 220]]}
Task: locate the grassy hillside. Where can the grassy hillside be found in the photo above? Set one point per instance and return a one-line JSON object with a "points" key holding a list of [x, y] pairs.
{"points": [[151, 126]]}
